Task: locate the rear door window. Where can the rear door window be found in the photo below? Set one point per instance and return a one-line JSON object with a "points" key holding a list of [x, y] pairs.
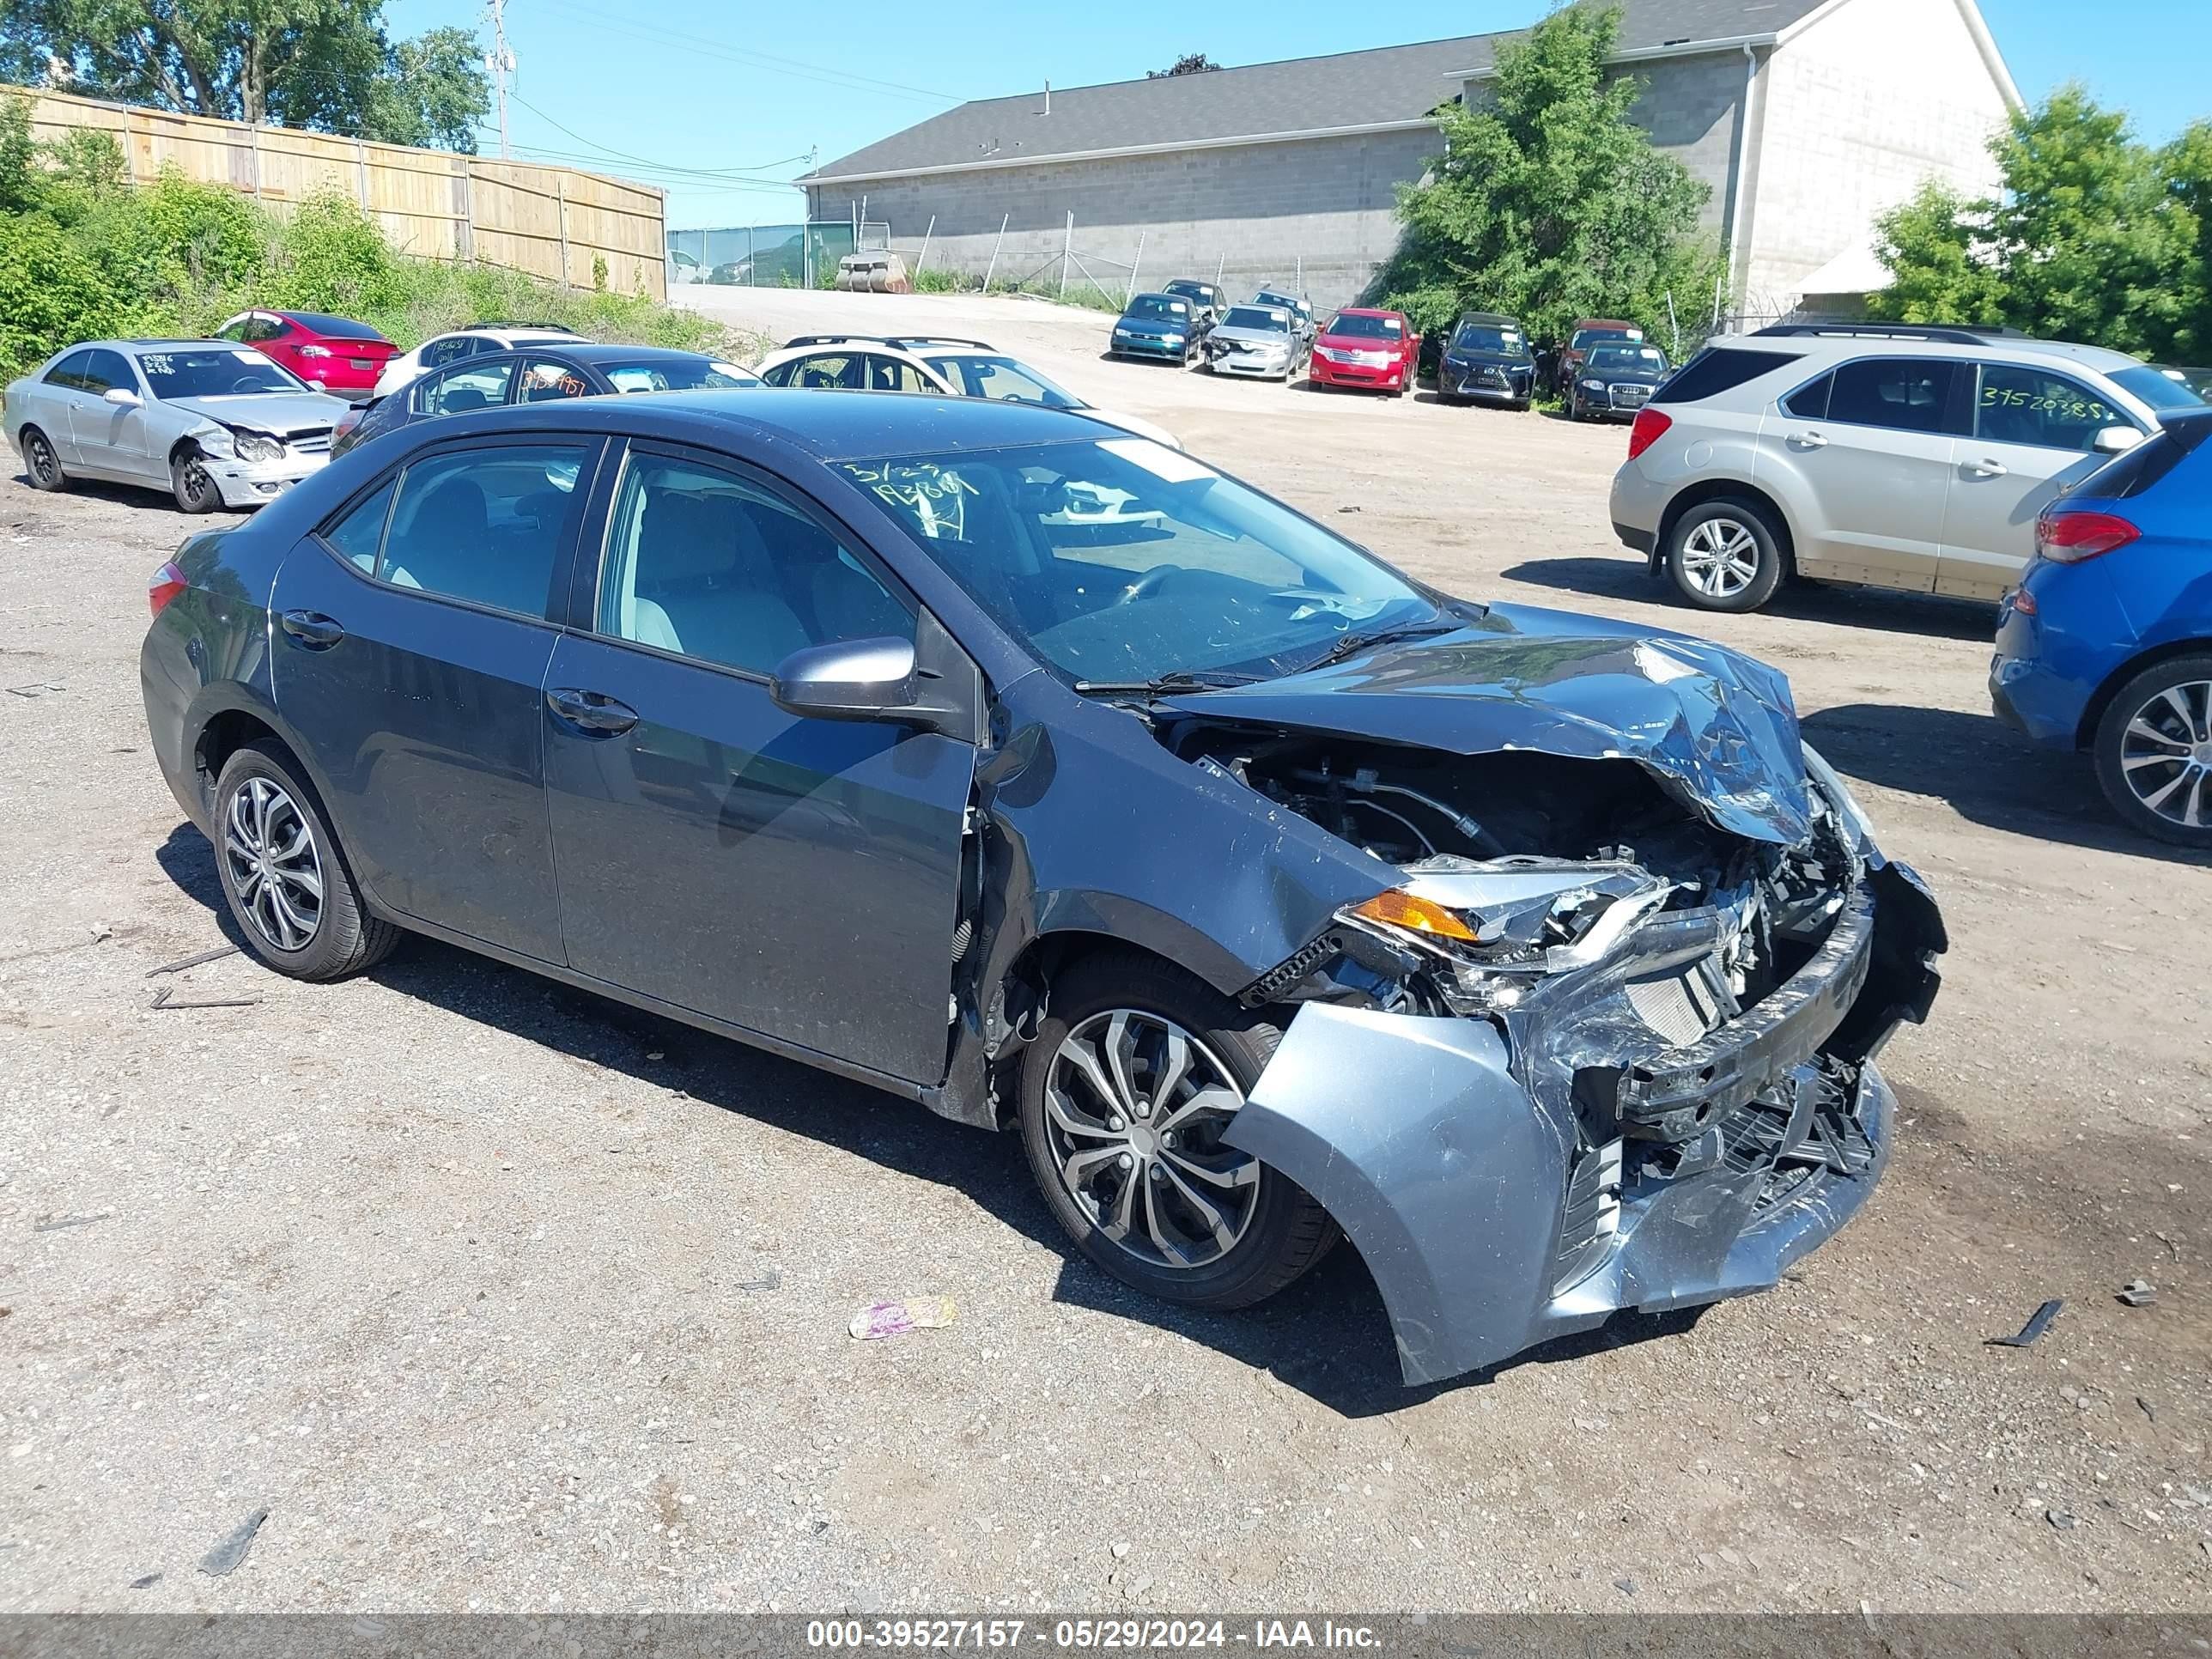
{"points": [[2033, 406], [1900, 394], [458, 390], [1810, 402], [1717, 370], [488, 524]]}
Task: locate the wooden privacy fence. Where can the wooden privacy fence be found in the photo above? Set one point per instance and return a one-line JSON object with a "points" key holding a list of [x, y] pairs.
{"points": [[550, 222]]}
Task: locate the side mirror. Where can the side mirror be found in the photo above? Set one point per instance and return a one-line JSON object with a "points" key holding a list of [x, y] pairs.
{"points": [[851, 680], [2117, 440], [318, 385], [122, 397]]}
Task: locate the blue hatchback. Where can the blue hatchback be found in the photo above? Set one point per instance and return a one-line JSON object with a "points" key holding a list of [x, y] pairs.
{"points": [[2106, 643]]}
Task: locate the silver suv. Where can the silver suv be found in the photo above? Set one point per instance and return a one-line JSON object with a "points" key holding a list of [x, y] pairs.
{"points": [[1888, 456]]}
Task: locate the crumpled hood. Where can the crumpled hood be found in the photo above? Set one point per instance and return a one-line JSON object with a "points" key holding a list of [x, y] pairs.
{"points": [[1717, 727], [1251, 336], [266, 411]]}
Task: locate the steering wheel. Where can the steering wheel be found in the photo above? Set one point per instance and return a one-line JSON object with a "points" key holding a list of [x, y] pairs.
{"points": [[246, 383], [1147, 585]]}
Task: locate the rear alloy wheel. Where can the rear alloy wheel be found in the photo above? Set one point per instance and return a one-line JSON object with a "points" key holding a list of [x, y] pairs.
{"points": [[1126, 1095], [192, 484], [288, 887], [40, 465], [2153, 751], [1725, 556]]}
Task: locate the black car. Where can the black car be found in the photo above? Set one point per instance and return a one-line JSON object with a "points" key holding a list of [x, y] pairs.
{"points": [[1054, 780], [1614, 381], [539, 374], [1486, 359]]}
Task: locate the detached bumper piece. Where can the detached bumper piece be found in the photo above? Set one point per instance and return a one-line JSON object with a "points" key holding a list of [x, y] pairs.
{"points": [[1508, 1188]]}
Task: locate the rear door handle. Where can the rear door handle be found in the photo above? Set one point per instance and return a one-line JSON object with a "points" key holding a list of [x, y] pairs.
{"points": [[312, 629], [1808, 440], [1988, 469], [591, 712]]}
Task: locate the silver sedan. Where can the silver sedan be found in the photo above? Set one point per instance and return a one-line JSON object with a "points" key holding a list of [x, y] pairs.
{"points": [[214, 423]]}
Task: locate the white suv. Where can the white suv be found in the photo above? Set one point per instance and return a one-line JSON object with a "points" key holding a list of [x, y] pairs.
{"points": [[1885, 455]]}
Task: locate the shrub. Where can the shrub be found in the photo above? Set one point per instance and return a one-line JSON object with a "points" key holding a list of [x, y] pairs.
{"points": [[50, 293]]}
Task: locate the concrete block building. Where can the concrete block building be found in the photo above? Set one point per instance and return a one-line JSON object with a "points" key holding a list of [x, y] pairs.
{"points": [[1807, 117]]}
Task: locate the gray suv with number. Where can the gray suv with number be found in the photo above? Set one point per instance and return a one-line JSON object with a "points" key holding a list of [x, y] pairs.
{"points": [[1912, 458]]}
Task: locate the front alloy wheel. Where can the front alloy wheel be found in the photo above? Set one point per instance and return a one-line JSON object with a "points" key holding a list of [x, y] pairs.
{"points": [[1126, 1096], [189, 481], [1135, 1110], [2153, 751]]}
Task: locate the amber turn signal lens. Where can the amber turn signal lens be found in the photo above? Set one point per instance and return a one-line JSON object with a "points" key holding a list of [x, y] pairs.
{"points": [[1415, 916]]}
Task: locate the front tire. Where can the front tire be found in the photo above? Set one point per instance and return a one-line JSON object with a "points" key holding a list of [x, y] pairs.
{"points": [[2153, 751], [289, 888], [192, 484], [1725, 556], [1124, 1096], [40, 465]]}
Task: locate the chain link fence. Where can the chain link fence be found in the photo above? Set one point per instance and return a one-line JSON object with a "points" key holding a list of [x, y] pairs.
{"points": [[795, 255]]}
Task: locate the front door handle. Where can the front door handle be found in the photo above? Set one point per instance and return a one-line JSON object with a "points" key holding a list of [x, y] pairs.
{"points": [[1808, 440], [1988, 469], [591, 712], [312, 629]]}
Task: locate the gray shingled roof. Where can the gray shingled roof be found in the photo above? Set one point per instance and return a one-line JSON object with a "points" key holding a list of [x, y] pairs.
{"points": [[1302, 94]]}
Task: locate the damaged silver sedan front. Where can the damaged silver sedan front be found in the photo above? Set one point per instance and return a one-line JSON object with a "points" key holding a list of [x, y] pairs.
{"points": [[1049, 777]]}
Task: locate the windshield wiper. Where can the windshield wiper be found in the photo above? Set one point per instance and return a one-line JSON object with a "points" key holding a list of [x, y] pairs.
{"points": [[1180, 680], [1352, 644]]}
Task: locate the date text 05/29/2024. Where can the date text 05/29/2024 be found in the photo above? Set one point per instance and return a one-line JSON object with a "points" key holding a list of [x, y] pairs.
{"points": [[1124, 1635]]}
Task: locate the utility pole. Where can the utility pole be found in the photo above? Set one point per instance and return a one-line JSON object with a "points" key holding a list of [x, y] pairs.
{"points": [[500, 63]]}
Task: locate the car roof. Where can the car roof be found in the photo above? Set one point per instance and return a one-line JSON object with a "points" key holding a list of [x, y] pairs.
{"points": [[169, 345], [1366, 311], [599, 351], [1152, 294], [1180, 283], [1490, 317], [854, 427], [1833, 347], [1606, 322]]}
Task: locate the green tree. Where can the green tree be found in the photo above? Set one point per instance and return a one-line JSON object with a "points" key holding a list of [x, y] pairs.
{"points": [[432, 93], [323, 65], [2094, 237], [1549, 203], [1191, 63]]}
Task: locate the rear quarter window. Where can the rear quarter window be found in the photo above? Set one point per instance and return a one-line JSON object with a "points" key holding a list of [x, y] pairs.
{"points": [[1717, 370]]}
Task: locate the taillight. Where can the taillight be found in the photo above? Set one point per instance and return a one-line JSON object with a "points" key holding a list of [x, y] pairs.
{"points": [[1651, 425], [168, 582], [2071, 537]]}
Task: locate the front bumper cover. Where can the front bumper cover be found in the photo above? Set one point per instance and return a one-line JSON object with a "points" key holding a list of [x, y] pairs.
{"points": [[256, 484], [1501, 1199]]}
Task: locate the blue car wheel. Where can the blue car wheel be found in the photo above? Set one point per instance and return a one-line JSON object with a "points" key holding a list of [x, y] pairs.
{"points": [[2153, 750]]}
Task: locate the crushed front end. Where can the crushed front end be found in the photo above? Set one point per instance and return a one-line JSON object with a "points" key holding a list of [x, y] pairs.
{"points": [[1597, 1049]]}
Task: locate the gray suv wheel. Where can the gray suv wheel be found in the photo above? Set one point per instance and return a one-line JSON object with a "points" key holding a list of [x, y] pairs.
{"points": [[1725, 556]]}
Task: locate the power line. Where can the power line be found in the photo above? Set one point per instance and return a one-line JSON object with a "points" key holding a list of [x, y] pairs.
{"points": [[751, 173], [657, 36]]}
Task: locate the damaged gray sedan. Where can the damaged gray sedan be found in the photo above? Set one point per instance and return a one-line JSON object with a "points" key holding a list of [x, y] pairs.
{"points": [[1055, 780]]}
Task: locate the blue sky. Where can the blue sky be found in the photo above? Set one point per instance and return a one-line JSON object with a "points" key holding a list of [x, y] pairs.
{"points": [[709, 99]]}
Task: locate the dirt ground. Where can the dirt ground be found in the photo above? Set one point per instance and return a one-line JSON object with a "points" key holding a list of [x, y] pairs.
{"points": [[493, 1295]]}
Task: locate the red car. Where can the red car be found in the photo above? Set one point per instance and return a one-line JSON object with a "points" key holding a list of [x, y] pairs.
{"points": [[341, 355], [1375, 350]]}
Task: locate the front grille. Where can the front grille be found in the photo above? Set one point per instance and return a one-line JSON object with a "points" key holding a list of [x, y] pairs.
{"points": [[309, 443], [1592, 1218]]}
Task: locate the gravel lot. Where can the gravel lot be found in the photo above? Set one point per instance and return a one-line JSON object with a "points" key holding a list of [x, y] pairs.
{"points": [[496, 1296]]}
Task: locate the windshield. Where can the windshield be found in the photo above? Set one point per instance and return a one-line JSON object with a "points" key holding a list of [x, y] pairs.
{"points": [[677, 375], [1634, 359], [1198, 291], [1484, 336], [1586, 337], [2158, 389], [1003, 379], [1346, 326], [1253, 317], [1122, 560], [214, 372], [1157, 309]]}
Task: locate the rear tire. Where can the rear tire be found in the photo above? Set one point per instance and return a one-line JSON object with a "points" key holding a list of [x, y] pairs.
{"points": [[1725, 556], [287, 883], [2153, 751], [1264, 1231], [40, 465], [192, 484]]}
